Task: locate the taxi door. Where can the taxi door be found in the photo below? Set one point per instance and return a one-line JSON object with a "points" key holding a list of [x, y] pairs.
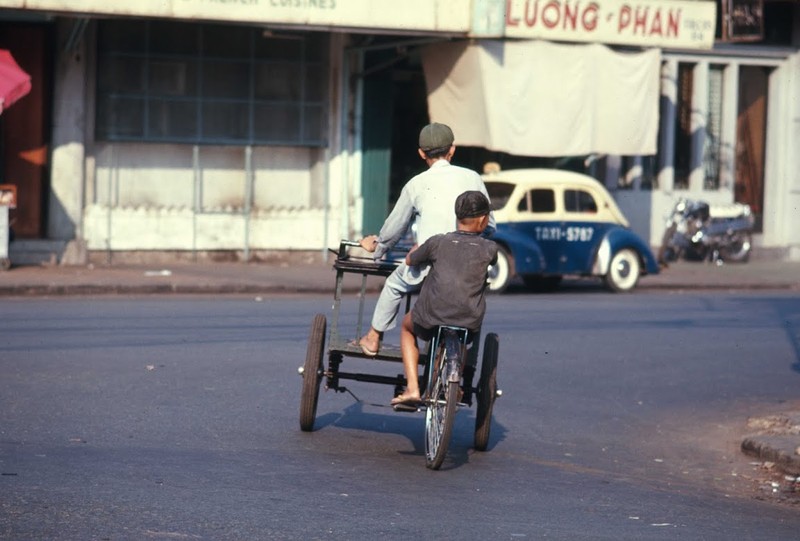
{"points": [[581, 232], [537, 217]]}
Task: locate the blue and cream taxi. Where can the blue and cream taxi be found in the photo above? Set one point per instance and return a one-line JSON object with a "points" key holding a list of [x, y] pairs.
{"points": [[552, 223]]}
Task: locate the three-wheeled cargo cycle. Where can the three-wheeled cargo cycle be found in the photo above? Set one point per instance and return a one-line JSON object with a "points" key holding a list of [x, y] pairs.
{"points": [[449, 365]]}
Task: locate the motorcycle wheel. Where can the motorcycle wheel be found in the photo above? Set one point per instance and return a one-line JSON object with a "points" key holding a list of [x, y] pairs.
{"points": [[738, 251], [667, 252], [696, 252]]}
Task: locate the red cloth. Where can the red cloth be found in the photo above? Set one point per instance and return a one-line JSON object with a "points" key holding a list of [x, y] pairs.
{"points": [[14, 82]]}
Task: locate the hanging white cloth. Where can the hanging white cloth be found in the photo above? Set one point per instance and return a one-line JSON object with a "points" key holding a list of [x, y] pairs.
{"points": [[539, 98]]}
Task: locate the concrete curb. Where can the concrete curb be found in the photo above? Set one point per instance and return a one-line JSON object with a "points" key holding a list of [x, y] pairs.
{"points": [[780, 450], [776, 439]]}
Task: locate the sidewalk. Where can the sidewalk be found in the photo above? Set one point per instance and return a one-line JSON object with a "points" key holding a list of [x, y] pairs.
{"points": [[778, 443], [319, 277]]}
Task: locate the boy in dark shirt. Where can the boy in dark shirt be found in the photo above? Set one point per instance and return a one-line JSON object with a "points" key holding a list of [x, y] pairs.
{"points": [[453, 292]]}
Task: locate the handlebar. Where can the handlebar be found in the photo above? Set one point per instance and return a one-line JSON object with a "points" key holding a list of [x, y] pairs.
{"points": [[343, 245], [360, 264]]}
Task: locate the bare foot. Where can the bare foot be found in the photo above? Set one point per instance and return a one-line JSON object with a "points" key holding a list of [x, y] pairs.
{"points": [[406, 398], [370, 343], [369, 347]]}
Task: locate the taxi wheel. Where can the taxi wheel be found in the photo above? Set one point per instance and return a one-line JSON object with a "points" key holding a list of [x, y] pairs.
{"points": [[623, 272], [500, 273]]}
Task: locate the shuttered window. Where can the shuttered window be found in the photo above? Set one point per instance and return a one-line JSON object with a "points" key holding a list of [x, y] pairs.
{"points": [[163, 81]]}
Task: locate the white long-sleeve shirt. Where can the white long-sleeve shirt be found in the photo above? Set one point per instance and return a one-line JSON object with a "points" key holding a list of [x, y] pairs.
{"points": [[430, 197]]}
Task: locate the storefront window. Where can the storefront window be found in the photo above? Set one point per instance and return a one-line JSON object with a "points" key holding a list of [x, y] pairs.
{"points": [[161, 81]]}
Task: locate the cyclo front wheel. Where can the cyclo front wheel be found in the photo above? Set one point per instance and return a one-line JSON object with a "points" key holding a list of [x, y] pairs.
{"points": [[441, 409]]}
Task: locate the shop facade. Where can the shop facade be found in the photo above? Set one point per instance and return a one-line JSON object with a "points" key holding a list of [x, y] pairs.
{"points": [[244, 129]]}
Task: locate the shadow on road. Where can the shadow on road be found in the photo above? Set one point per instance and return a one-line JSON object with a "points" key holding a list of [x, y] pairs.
{"points": [[412, 426]]}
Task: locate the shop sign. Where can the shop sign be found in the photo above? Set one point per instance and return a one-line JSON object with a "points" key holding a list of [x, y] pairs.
{"points": [[452, 16], [645, 23]]}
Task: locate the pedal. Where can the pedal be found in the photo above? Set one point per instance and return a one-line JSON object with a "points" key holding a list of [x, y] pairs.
{"points": [[408, 408]]}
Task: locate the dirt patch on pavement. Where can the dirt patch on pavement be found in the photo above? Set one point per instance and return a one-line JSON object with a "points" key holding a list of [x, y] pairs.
{"points": [[704, 448]]}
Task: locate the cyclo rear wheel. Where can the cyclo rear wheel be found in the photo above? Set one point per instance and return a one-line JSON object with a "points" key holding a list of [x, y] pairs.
{"points": [[487, 392], [442, 402], [312, 373]]}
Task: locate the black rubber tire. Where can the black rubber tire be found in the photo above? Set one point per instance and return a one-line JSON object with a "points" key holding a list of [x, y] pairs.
{"points": [[312, 373], [697, 252], [501, 273], [487, 392], [667, 253], [440, 414], [738, 251], [439, 420]]}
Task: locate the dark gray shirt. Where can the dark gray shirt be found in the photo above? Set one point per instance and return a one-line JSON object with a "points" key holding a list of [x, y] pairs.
{"points": [[453, 292]]}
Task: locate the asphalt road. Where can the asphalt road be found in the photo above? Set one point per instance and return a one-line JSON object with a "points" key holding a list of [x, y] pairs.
{"points": [[177, 418]]}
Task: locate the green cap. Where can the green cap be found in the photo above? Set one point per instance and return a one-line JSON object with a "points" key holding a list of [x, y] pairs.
{"points": [[435, 136]]}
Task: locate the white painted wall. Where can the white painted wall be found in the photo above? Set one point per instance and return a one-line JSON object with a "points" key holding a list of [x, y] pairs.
{"points": [[211, 178], [181, 229], [173, 197], [65, 200], [791, 157]]}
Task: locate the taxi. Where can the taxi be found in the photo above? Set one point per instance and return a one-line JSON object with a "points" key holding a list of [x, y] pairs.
{"points": [[552, 223]]}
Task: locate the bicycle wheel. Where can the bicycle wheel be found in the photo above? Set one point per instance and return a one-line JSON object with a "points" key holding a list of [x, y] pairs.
{"points": [[441, 412], [312, 373], [487, 392]]}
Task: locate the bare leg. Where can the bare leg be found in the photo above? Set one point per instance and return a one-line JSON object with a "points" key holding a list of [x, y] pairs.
{"points": [[410, 351], [402, 281]]}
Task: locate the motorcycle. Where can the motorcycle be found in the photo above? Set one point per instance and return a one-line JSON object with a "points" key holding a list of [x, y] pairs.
{"points": [[698, 231]]}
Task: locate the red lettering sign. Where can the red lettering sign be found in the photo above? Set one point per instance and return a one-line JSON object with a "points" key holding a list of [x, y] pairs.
{"points": [[563, 14]]}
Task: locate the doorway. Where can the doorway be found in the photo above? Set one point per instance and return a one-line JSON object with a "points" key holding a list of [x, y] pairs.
{"points": [[395, 108], [751, 137], [24, 132]]}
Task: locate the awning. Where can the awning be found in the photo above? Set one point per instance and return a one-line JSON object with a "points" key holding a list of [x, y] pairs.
{"points": [[14, 83], [538, 98]]}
